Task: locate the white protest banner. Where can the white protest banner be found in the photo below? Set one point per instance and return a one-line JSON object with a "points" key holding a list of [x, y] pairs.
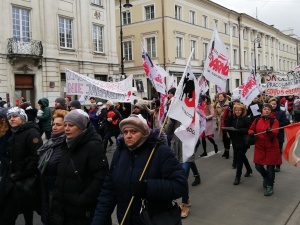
{"points": [[78, 84], [170, 83], [203, 86], [155, 73], [185, 100], [216, 66], [283, 85], [250, 90]]}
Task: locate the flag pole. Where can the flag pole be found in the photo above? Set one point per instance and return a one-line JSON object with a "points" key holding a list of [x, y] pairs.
{"points": [[275, 129], [145, 168]]}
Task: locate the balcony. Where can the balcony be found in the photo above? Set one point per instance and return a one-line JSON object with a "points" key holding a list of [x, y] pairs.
{"points": [[28, 47]]}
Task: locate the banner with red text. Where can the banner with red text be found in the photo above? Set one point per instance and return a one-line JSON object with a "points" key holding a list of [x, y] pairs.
{"points": [[78, 84], [283, 85], [250, 90], [216, 66]]}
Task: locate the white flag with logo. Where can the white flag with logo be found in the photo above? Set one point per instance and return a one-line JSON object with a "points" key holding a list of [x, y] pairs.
{"points": [[250, 90], [203, 85], [170, 82], [216, 66], [186, 97]]}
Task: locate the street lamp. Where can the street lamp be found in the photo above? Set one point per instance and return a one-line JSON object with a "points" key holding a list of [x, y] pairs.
{"points": [[126, 5], [256, 40]]}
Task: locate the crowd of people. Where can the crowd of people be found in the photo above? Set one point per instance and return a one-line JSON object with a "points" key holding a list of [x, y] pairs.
{"points": [[67, 179]]}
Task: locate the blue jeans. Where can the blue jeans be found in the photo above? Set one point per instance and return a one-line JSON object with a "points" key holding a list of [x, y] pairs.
{"points": [[268, 174], [187, 166]]}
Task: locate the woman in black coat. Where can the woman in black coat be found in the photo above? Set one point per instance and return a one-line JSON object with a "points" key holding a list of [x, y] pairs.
{"points": [[80, 174], [163, 182], [49, 156], [240, 123], [19, 163]]}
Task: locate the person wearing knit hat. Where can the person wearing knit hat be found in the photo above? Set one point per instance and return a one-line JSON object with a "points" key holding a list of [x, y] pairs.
{"points": [[268, 105], [17, 112], [75, 104], [60, 103], [79, 118]]}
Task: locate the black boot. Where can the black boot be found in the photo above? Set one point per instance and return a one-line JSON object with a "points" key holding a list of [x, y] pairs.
{"points": [[216, 148], [247, 174], [224, 154], [203, 154], [237, 181], [227, 154], [196, 181]]}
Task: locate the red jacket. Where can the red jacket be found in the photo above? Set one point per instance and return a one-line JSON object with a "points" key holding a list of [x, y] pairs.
{"points": [[266, 151]]}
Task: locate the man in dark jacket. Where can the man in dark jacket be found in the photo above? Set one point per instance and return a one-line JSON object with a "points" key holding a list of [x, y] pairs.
{"points": [[163, 181], [20, 163], [45, 119]]}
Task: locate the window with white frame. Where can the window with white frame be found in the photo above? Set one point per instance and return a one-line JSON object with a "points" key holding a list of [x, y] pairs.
{"points": [[97, 2], [283, 47], [234, 31], [98, 38], [193, 44], [237, 83], [235, 56], [266, 41], [279, 64], [151, 46], [65, 32], [226, 28], [126, 17], [149, 12], [178, 12], [251, 36], [192, 17], [205, 49], [283, 66], [179, 47], [21, 29], [127, 47], [204, 21], [216, 23], [266, 60], [245, 58]]}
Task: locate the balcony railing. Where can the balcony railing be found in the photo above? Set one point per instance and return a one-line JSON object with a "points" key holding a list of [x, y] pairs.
{"points": [[26, 46]]}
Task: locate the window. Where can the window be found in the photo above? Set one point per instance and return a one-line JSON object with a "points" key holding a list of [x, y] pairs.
{"points": [[127, 46], [234, 31], [205, 49], [179, 47], [149, 11], [204, 21], [235, 57], [178, 12], [251, 36], [283, 66], [283, 47], [225, 28], [21, 29], [193, 46], [279, 64], [97, 2], [126, 17], [65, 32], [98, 38], [237, 82], [101, 77], [192, 17], [244, 34], [216, 23], [266, 41], [245, 58], [151, 46]]}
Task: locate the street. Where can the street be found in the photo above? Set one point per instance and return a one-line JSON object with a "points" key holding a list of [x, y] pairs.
{"points": [[216, 201]]}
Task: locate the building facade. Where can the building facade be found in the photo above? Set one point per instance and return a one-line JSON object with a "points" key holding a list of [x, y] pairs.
{"points": [[40, 39], [170, 29]]}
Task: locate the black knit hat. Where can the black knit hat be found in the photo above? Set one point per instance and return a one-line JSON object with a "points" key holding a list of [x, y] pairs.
{"points": [[172, 90], [62, 101], [76, 104]]}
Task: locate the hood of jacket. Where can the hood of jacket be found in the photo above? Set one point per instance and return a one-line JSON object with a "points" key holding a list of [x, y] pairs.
{"points": [[44, 102]]}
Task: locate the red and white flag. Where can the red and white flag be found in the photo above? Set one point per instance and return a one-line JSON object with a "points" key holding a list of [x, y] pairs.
{"points": [[250, 90], [170, 82], [292, 132], [203, 85], [162, 108], [216, 66], [186, 97], [155, 73]]}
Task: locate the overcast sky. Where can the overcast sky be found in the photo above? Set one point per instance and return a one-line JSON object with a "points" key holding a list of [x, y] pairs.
{"points": [[283, 14]]}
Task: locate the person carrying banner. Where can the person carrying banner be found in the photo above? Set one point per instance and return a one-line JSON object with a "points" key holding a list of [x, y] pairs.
{"points": [[266, 150], [283, 121], [222, 104]]}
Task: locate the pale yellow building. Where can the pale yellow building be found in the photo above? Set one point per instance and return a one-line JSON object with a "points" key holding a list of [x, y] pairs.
{"points": [[170, 29]]}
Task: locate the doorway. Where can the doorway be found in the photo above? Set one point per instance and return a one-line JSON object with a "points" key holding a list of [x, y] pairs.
{"points": [[24, 88]]}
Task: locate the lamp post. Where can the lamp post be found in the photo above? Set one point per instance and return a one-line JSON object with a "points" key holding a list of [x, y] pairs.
{"points": [[126, 5], [256, 40]]}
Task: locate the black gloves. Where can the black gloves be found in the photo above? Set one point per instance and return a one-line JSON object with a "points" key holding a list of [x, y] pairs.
{"points": [[139, 189], [268, 131]]}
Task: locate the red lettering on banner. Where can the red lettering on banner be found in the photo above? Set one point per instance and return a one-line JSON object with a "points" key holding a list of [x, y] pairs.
{"points": [[217, 65], [248, 86], [75, 88]]}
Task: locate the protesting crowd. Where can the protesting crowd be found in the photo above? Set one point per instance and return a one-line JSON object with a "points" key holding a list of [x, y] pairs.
{"points": [[67, 178]]}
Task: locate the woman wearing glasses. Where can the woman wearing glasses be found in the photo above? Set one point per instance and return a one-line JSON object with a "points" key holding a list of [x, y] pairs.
{"points": [[240, 124]]}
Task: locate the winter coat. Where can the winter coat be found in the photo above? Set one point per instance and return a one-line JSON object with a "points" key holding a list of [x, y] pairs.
{"points": [[76, 194], [19, 162], [219, 115], [241, 124], [280, 115], [94, 119], [45, 119], [48, 177], [165, 180], [112, 126], [209, 129], [266, 151]]}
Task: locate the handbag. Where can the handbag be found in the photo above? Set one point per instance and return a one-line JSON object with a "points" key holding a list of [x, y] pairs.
{"points": [[249, 140], [171, 215]]}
